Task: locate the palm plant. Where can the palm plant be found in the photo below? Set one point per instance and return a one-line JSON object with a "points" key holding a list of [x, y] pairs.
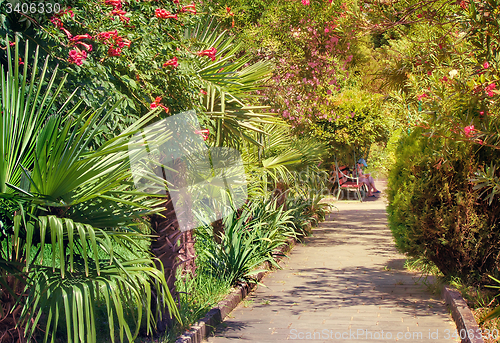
{"points": [[229, 83], [70, 215], [277, 162]]}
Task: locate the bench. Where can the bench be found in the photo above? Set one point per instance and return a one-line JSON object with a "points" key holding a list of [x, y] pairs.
{"points": [[346, 182]]}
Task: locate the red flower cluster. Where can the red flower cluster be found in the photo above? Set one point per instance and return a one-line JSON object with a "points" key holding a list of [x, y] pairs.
{"points": [[113, 52], [189, 8], [172, 62], [104, 36], [156, 104], [121, 14], [209, 52], [114, 41], [164, 14], [117, 10], [77, 56], [77, 40], [117, 4], [56, 19]]}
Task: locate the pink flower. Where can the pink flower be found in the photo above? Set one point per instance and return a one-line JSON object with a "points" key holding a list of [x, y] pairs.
{"points": [[117, 4], [469, 131], [204, 133], [68, 34], [80, 37], [172, 62], [486, 65], [202, 91], [88, 47], [419, 15], [489, 89], [121, 14], [118, 12], [106, 35], [327, 30], [121, 42], [421, 96], [77, 56], [444, 79], [209, 52], [305, 2]]}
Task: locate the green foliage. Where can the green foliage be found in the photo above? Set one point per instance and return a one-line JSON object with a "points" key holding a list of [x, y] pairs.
{"points": [[69, 213], [356, 120], [434, 212], [250, 238], [198, 294], [132, 64]]}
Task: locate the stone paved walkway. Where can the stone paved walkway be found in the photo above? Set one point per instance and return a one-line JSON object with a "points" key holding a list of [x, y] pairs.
{"points": [[345, 284]]}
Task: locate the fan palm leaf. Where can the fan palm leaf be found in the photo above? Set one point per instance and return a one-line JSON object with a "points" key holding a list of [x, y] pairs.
{"points": [[230, 82], [73, 215]]}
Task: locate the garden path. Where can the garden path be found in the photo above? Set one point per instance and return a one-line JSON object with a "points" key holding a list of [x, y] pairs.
{"points": [[346, 283]]}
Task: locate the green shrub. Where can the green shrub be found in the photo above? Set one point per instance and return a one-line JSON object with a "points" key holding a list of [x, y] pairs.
{"points": [[435, 214], [250, 238]]}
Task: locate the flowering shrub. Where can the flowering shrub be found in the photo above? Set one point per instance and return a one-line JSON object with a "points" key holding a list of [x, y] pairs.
{"points": [[444, 74], [311, 59], [132, 50]]}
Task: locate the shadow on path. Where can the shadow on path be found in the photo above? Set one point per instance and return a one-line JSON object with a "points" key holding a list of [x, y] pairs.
{"points": [[347, 277]]}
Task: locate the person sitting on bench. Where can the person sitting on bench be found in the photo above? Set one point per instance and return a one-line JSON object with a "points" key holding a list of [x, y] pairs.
{"points": [[367, 179]]}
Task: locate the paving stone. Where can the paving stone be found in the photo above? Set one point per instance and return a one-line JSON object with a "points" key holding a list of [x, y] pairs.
{"points": [[347, 276]]}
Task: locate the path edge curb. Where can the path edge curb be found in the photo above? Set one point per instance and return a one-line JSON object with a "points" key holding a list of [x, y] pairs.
{"points": [[462, 315], [201, 329]]}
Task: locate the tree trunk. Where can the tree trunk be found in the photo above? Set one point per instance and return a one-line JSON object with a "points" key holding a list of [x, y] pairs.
{"points": [[280, 195], [218, 230], [172, 247], [166, 249]]}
